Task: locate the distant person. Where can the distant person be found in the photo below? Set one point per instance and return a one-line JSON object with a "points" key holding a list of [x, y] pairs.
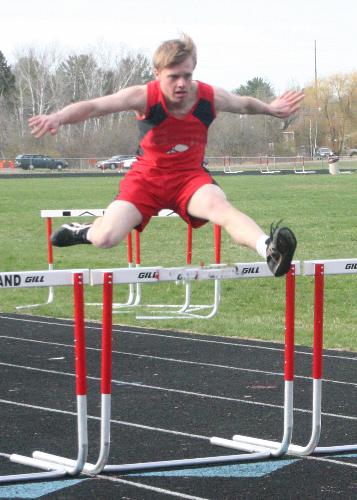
{"points": [[174, 113]]}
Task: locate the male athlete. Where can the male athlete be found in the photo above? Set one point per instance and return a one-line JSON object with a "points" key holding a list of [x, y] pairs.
{"points": [[174, 113]]}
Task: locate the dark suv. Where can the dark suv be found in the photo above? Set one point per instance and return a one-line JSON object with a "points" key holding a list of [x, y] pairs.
{"points": [[28, 162]]}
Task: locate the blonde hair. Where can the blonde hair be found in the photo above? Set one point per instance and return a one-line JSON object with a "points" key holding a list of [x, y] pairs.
{"points": [[174, 52]]}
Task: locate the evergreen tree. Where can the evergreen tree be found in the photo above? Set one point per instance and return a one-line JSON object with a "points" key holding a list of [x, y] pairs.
{"points": [[257, 87], [7, 79]]}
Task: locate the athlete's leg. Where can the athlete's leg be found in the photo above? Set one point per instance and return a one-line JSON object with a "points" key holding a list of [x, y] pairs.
{"points": [[118, 220], [209, 202], [105, 232]]}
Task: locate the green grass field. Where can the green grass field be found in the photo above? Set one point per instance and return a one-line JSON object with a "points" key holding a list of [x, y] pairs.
{"points": [[321, 209]]}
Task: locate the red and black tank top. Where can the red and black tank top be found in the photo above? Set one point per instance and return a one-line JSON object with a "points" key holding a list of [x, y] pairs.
{"points": [[167, 142]]}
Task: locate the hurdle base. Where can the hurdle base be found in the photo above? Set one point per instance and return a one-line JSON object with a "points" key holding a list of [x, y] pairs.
{"points": [[252, 453], [189, 462], [51, 296], [335, 449], [50, 471], [234, 445], [238, 441], [34, 462], [34, 476], [293, 449], [188, 310], [58, 461]]}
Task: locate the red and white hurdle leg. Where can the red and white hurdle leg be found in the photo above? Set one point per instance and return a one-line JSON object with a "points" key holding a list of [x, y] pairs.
{"points": [[56, 467], [294, 449], [106, 377], [51, 290], [217, 233], [238, 441]]}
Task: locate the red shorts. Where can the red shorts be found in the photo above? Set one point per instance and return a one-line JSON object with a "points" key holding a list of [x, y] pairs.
{"points": [[151, 193]]}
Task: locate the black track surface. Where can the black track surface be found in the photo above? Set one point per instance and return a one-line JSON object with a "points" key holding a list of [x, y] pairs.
{"points": [[171, 392]]}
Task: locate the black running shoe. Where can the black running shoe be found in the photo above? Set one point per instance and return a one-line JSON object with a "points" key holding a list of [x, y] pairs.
{"points": [[70, 234], [281, 246]]}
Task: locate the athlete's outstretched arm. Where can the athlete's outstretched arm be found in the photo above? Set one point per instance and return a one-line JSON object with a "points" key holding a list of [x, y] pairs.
{"points": [[129, 99], [281, 107]]}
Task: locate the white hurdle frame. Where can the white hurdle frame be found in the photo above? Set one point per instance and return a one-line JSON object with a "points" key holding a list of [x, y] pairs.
{"points": [[296, 450], [51, 290], [51, 278], [266, 161], [188, 310], [318, 269], [239, 442], [183, 311], [108, 277], [133, 295], [302, 171]]}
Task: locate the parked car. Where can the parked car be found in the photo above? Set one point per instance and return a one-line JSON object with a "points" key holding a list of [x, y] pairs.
{"points": [[114, 163], [352, 152], [128, 162], [322, 153], [28, 162]]}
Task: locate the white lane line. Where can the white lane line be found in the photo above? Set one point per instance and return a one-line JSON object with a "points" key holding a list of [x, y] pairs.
{"points": [[179, 391], [146, 427], [332, 461], [175, 360], [151, 488], [189, 339], [113, 421]]}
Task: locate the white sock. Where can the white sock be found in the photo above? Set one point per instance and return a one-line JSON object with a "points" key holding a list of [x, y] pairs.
{"points": [[261, 246]]}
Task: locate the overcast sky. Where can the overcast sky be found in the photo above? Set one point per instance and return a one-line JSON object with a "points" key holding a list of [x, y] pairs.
{"points": [[236, 39]]}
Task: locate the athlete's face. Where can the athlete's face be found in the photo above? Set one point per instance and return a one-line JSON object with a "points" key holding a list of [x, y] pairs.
{"points": [[176, 81]]}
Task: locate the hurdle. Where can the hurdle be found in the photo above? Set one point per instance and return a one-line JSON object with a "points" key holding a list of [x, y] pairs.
{"points": [[239, 442], [76, 278], [264, 166], [318, 269], [134, 292], [189, 310], [108, 277], [302, 165], [276, 448], [51, 292], [133, 296], [49, 215], [134, 299]]}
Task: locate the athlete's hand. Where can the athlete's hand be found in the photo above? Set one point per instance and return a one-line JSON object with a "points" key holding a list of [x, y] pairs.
{"points": [[42, 124], [287, 104]]}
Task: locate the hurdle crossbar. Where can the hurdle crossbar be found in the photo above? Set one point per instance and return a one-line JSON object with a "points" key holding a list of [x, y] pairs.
{"points": [[75, 278], [156, 274]]}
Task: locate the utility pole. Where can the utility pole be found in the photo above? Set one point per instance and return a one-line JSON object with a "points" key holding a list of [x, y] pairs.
{"points": [[315, 71], [316, 98]]}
